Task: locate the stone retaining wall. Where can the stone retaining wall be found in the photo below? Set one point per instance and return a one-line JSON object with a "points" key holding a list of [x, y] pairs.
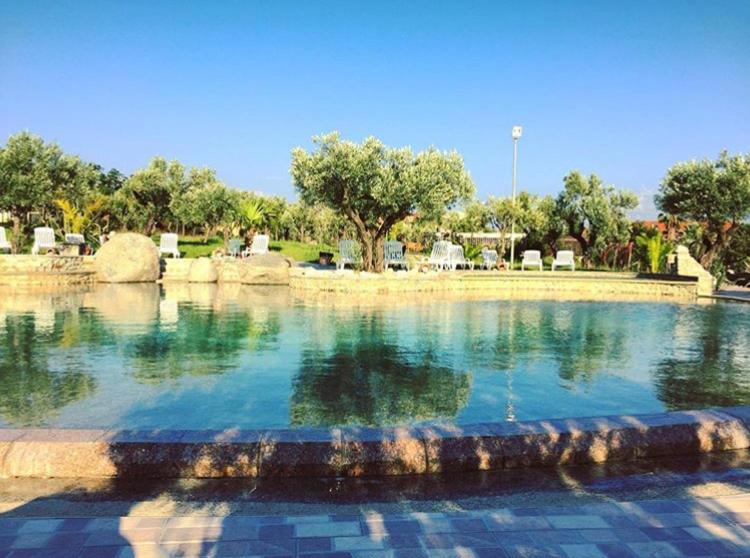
{"points": [[355, 451], [25, 270], [528, 284]]}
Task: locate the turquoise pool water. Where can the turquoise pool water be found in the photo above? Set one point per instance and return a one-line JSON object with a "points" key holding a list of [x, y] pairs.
{"points": [[144, 356]]}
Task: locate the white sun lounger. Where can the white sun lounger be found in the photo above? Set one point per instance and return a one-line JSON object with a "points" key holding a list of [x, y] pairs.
{"points": [[440, 257], [564, 258], [168, 245], [347, 254], [44, 239], [489, 258], [4, 244], [457, 258], [532, 258], [393, 252], [259, 245]]}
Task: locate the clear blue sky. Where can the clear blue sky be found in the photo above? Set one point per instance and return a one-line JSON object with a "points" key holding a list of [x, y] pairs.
{"points": [[623, 89]]}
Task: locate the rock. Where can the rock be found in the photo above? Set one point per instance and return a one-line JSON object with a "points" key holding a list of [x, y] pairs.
{"points": [[127, 258], [203, 270], [265, 269]]}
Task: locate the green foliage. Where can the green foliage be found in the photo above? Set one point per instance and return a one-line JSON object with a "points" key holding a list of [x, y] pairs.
{"points": [[376, 186], [714, 194], [653, 249], [145, 201], [594, 214]]}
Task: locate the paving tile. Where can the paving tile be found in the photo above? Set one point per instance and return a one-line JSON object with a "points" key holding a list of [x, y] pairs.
{"points": [[495, 552], [330, 555], [598, 535], [10, 525], [534, 551], [691, 548], [615, 550], [330, 529], [39, 526], [468, 525], [403, 541], [473, 540], [231, 548], [731, 533], [271, 532], [582, 551], [359, 543], [67, 540], [577, 522], [669, 534], [314, 544], [724, 548], [73, 524], [32, 540], [271, 547], [508, 522], [45, 553], [653, 550], [556, 536], [106, 538], [513, 537], [101, 551], [152, 522]]}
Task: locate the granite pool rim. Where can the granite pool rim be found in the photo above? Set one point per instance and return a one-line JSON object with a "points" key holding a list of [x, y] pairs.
{"points": [[367, 451]]}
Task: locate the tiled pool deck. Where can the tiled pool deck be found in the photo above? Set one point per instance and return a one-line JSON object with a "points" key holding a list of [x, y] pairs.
{"points": [[679, 527]]}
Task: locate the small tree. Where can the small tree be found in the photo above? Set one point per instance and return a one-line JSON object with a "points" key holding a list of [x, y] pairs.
{"points": [[376, 186], [145, 199], [594, 214], [715, 194], [653, 249]]}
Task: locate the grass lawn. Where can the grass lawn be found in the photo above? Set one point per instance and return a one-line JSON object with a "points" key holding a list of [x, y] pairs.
{"points": [[194, 247]]}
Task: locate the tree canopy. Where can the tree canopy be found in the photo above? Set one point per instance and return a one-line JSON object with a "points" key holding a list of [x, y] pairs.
{"points": [[593, 213], [376, 186], [715, 194]]}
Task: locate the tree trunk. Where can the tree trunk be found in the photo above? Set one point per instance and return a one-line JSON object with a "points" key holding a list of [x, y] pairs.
{"points": [[716, 248], [15, 241]]}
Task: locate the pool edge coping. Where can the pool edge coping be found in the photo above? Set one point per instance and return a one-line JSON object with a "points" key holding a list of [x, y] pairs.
{"points": [[350, 451]]}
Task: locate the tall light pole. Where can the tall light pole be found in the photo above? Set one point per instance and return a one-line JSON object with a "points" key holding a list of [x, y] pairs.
{"points": [[516, 135]]}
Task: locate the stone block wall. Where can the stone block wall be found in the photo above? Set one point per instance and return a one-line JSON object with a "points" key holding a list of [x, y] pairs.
{"points": [[28, 270]]}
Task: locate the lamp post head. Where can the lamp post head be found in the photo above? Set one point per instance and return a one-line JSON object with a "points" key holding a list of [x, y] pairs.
{"points": [[516, 132]]}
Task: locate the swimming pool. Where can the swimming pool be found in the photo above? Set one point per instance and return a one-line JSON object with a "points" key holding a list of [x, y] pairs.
{"points": [[202, 356]]}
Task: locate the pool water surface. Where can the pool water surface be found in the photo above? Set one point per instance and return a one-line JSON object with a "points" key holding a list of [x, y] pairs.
{"points": [[202, 356]]}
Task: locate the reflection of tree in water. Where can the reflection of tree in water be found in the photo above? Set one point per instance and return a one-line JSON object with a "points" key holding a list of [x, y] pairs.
{"points": [[580, 340], [713, 368], [34, 385], [203, 342], [367, 379]]}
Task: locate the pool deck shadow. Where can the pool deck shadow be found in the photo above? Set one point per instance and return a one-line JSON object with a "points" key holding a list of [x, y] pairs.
{"points": [[360, 451]]}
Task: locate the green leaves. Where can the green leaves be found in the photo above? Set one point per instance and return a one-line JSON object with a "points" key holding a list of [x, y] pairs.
{"points": [[377, 186], [653, 249]]}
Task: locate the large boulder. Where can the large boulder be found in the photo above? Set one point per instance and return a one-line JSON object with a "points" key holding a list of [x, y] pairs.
{"points": [[202, 270], [265, 269], [128, 258]]}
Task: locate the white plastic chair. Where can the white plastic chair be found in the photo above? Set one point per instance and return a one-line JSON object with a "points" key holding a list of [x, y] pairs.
{"points": [[532, 258], [72, 238], [393, 252], [259, 245], [440, 257], [4, 244], [44, 239], [347, 254], [564, 258], [168, 245], [489, 258], [235, 247], [457, 258]]}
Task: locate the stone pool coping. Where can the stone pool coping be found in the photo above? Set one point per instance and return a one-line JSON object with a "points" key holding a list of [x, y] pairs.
{"points": [[359, 451]]}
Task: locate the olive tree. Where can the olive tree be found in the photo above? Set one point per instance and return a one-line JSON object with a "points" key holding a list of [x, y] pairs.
{"points": [[33, 174], [595, 214], [376, 186], [715, 194], [145, 199]]}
